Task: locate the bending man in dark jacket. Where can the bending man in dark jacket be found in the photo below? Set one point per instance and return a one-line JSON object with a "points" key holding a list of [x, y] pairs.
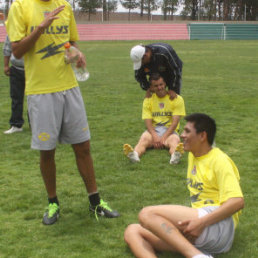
{"points": [[157, 58]]}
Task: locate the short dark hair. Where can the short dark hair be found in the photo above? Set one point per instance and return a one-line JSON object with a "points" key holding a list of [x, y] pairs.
{"points": [[203, 123], [155, 77]]}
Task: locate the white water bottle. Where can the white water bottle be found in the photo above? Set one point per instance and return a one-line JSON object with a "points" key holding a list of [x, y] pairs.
{"points": [[71, 56]]}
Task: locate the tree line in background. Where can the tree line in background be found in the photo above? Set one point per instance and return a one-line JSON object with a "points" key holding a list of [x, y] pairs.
{"points": [[195, 9], [224, 10]]}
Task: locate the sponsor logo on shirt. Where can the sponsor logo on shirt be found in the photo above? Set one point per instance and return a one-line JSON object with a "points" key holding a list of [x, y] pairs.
{"points": [[208, 202], [195, 198], [161, 105], [50, 50], [63, 29], [194, 184], [162, 124], [169, 113], [194, 171]]}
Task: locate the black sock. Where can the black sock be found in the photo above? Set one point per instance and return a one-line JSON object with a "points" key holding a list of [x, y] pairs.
{"points": [[53, 200], [94, 199]]}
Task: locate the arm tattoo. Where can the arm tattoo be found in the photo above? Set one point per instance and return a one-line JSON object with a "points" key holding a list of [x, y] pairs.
{"points": [[166, 228]]}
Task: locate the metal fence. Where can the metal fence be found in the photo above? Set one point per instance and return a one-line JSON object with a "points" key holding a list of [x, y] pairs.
{"points": [[222, 31]]}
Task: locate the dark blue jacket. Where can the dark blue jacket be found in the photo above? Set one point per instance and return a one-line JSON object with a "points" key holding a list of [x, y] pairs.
{"points": [[164, 61]]}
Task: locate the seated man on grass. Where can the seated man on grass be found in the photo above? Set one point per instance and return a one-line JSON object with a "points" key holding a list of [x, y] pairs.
{"points": [[161, 116], [216, 197]]}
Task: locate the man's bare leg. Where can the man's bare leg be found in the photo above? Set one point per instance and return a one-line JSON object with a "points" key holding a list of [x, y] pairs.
{"points": [[144, 143], [143, 243], [163, 221], [85, 165], [171, 142], [134, 154], [48, 171]]}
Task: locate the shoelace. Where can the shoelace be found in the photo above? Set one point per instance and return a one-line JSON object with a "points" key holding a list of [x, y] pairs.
{"points": [[52, 209], [102, 205]]}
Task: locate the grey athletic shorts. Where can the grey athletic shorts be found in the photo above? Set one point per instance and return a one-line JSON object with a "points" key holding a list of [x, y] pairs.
{"points": [[160, 130], [217, 238], [59, 116]]}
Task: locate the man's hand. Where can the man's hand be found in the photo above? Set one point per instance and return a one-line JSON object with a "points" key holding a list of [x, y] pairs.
{"points": [[191, 228], [172, 94], [148, 93], [164, 138], [7, 70], [81, 62], [157, 142], [19, 48], [50, 17]]}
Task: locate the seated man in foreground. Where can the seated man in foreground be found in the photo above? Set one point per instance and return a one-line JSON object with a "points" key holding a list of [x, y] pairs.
{"points": [[161, 116], [206, 228]]}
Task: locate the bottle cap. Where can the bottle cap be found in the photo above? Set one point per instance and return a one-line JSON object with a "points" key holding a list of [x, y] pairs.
{"points": [[67, 45]]}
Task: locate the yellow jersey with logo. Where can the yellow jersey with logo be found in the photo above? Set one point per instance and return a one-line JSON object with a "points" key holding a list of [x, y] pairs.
{"points": [[45, 69], [162, 110], [212, 179]]}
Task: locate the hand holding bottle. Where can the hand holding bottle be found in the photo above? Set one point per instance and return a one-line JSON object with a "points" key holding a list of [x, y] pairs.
{"points": [[77, 60], [81, 62]]}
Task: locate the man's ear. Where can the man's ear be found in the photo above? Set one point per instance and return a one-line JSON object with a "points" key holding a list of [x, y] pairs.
{"points": [[203, 136]]}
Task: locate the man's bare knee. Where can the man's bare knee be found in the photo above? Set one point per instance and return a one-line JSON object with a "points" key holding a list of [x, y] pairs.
{"points": [[145, 216], [130, 232], [82, 149], [145, 138], [47, 155]]}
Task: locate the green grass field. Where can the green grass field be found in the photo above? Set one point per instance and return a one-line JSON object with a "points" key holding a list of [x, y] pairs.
{"points": [[220, 78]]}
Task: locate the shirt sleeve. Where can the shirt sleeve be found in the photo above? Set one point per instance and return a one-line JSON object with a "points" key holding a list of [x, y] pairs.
{"points": [[173, 67], [146, 109], [74, 36], [228, 180], [16, 25], [7, 49], [140, 77]]}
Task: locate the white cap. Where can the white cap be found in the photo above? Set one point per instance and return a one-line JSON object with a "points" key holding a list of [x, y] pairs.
{"points": [[136, 54]]}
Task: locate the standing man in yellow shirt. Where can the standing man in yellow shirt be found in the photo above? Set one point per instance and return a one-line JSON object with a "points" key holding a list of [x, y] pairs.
{"points": [[38, 30], [162, 120], [216, 197]]}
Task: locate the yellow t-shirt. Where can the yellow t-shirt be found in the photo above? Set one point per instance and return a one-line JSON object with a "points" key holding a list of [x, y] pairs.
{"points": [[162, 110], [212, 179], [45, 69]]}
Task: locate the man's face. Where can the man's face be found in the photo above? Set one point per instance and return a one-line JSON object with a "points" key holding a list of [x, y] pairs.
{"points": [[190, 137], [146, 57], [159, 87]]}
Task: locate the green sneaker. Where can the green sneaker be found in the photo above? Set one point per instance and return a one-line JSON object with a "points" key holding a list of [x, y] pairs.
{"points": [[103, 210], [51, 215]]}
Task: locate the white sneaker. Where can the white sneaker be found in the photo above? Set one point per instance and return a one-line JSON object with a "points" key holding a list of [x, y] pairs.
{"points": [[175, 157], [13, 129], [133, 156], [202, 256], [130, 153]]}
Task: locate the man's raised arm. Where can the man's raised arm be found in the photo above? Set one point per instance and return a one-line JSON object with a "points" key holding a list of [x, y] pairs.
{"points": [[19, 48]]}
